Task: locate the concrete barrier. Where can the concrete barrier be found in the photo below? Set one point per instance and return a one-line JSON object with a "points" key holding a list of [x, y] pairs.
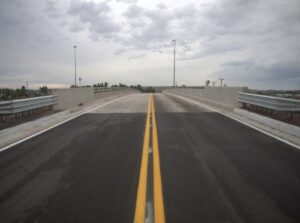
{"points": [[74, 97], [114, 92], [224, 97]]}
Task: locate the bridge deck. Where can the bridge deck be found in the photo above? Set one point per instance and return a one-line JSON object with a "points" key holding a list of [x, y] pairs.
{"points": [[213, 169]]}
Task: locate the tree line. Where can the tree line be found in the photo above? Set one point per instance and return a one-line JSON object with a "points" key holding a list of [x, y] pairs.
{"points": [[106, 84], [23, 92]]}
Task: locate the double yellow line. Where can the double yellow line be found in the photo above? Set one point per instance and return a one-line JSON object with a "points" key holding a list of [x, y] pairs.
{"points": [[140, 209]]}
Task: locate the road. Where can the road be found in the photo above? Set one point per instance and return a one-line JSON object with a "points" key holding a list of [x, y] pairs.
{"points": [[212, 168]]}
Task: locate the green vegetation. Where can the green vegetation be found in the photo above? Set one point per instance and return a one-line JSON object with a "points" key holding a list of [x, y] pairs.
{"points": [[104, 84], [20, 93], [120, 85], [6, 93], [44, 90]]}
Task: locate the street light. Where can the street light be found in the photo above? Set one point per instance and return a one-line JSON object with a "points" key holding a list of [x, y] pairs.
{"points": [[75, 64], [174, 41], [221, 81]]}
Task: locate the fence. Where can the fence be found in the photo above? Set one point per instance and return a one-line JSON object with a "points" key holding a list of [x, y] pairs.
{"points": [[110, 89]]}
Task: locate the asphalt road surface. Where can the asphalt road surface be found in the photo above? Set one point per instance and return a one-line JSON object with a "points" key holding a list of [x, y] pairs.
{"points": [[213, 169]]}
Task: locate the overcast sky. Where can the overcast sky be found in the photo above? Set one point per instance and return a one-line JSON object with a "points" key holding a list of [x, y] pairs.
{"points": [[253, 43]]}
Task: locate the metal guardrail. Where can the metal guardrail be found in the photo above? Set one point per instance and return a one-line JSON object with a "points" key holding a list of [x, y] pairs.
{"points": [[273, 103], [110, 89], [16, 106]]}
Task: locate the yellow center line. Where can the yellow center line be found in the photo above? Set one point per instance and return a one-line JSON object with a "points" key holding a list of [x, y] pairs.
{"points": [[159, 213], [140, 207]]}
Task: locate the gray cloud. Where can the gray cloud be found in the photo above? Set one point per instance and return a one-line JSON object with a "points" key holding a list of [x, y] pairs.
{"points": [[96, 16], [128, 1], [136, 57], [235, 63], [52, 10], [119, 51], [162, 6], [148, 29], [252, 70], [133, 11], [77, 27]]}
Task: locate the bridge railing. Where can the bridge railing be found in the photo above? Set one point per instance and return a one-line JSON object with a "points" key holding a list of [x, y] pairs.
{"points": [[110, 89], [270, 102], [17, 106]]}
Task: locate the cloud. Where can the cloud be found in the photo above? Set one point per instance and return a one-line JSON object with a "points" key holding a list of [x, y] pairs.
{"points": [[162, 6], [77, 27], [127, 1], [236, 63], [133, 11], [135, 57], [257, 70], [119, 51], [96, 16], [187, 11], [148, 29], [52, 10]]}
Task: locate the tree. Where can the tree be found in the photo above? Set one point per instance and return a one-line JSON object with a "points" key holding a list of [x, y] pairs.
{"points": [[44, 90], [21, 92]]}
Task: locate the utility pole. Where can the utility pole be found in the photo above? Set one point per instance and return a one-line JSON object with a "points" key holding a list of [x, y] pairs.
{"points": [[174, 41], [75, 65]]}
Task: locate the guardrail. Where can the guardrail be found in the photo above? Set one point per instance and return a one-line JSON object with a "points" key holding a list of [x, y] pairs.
{"points": [[273, 103], [17, 106]]}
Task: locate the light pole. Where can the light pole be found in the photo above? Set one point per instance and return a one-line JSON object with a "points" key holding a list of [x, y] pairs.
{"points": [[75, 64], [174, 41], [221, 81]]}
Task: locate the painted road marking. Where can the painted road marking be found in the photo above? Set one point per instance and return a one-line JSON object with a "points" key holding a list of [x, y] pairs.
{"points": [[159, 211], [140, 207]]}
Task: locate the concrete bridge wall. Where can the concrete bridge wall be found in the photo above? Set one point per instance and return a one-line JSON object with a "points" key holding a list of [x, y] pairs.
{"points": [[225, 97], [73, 97]]}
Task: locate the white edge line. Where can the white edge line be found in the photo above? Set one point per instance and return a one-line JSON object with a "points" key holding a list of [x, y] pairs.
{"points": [[236, 119], [57, 124]]}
